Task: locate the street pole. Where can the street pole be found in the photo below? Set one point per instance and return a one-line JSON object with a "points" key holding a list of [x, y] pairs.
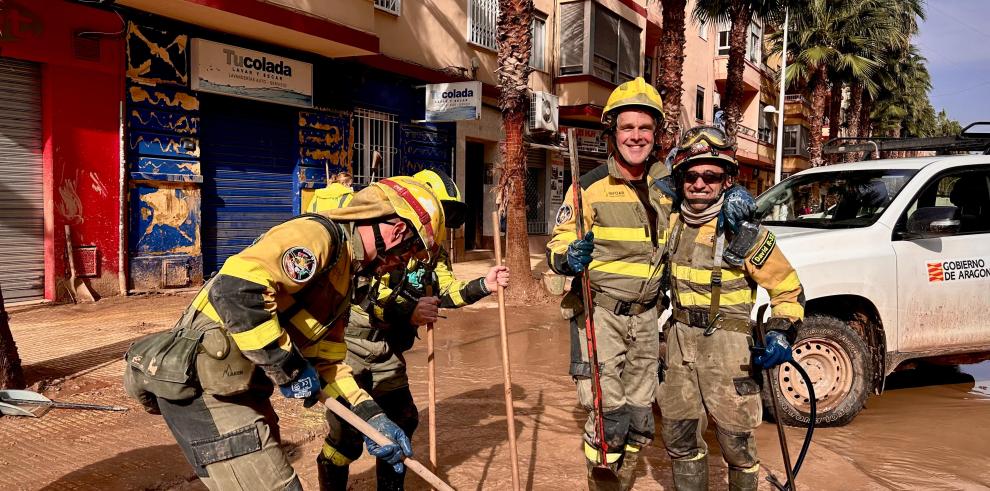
{"points": [[779, 163]]}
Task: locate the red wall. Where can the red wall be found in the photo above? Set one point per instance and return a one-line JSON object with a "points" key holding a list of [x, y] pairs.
{"points": [[80, 102]]}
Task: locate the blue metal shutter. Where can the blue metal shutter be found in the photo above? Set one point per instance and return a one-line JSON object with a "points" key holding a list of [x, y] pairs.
{"points": [[22, 225], [249, 151]]}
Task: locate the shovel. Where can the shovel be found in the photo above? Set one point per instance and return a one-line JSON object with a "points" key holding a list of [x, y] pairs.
{"points": [[32, 404]]}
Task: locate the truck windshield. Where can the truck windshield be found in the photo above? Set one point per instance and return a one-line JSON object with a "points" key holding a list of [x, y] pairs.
{"points": [[841, 199]]}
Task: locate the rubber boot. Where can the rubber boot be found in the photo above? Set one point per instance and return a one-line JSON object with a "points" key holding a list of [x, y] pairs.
{"points": [[627, 472], [690, 475], [332, 477], [601, 478], [743, 481], [388, 479]]}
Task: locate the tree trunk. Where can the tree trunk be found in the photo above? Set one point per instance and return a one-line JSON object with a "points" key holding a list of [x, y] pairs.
{"points": [[852, 116], [819, 90], [834, 114], [11, 375], [671, 70], [740, 13], [514, 44], [865, 125]]}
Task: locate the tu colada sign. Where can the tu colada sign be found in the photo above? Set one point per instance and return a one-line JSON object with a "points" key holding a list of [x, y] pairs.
{"points": [[453, 101], [234, 71]]}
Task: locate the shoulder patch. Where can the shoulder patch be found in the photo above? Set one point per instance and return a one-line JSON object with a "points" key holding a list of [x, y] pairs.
{"points": [[763, 253], [299, 264], [594, 176], [564, 213]]}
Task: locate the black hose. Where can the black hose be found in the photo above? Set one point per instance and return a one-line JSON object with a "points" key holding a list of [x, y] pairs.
{"points": [[811, 421]]}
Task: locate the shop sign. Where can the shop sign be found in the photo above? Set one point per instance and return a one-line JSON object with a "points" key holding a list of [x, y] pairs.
{"points": [[18, 23], [453, 102], [557, 184], [238, 72], [588, 140]]}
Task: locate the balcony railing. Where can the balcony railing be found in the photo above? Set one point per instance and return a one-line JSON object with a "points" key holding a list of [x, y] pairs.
{"points": [[746, 130]]}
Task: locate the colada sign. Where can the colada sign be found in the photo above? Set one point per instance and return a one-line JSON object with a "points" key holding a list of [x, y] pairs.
{"points": [[229, 70], [453, 102]]}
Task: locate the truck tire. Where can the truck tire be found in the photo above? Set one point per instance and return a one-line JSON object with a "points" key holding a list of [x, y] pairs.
{"points": [[837, 360]]}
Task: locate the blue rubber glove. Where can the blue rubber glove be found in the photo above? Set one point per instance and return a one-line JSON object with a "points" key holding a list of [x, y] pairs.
{"points": [[776, 351], [579, 252], [304, 386], [393, 453], [668, 187], [738, 207]]}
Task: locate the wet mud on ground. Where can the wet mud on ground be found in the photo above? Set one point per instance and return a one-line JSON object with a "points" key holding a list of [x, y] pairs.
{"points": [[928, 431]]}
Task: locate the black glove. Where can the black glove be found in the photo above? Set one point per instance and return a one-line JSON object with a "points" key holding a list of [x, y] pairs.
{"points": [[738, 207], [579, 252], [393, 453]]}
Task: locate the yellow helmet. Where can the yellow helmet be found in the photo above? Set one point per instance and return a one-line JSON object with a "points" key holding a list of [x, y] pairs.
{"points": [[634, 93], [416, 203], [454, 209]]}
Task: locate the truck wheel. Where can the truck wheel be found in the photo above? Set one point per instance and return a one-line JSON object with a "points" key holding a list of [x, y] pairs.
{"points": [[837, 361]]}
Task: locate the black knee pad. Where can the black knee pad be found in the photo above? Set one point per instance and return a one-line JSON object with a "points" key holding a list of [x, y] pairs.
{"points": [[399, 406], [641, 425], [680, 437], [616, 427]]}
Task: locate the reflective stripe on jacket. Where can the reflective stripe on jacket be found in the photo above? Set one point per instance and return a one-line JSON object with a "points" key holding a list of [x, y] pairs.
{"points": [[626, 262], [288, 294], [692, 263]]}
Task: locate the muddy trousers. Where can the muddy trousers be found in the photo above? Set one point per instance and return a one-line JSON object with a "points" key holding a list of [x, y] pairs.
{"points": [[709, 375], [627, 357], [383, 374], [231, 442]]}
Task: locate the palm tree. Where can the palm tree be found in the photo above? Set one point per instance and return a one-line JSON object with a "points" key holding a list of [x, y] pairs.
{"points": [[830, 36], [739, 14], [514, 44], [671, 69]]}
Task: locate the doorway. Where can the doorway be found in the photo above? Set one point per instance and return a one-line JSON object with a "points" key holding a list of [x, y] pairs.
{"points": [[474, 193]]}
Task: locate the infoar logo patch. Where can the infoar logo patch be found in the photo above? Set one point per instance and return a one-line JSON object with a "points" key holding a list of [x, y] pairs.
{"points": [[299, 264], [564, 213]]}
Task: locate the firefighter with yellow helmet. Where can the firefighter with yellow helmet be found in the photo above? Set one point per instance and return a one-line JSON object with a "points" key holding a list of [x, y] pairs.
{"points": [[626, 218], [383, 327], [275, 315], [715, 268]]}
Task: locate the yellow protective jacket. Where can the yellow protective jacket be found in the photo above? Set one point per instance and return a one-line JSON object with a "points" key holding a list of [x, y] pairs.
{"points": [[334, 196], [626, 262], [692, 258], [285, 299]]}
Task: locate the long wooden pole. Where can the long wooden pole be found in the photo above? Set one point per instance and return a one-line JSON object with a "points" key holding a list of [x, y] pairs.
{"points": [[509, 413], [431, 386], [381, 439]]}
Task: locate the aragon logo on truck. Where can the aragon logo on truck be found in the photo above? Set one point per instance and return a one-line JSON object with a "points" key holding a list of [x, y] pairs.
{"points": [[958, 269]]}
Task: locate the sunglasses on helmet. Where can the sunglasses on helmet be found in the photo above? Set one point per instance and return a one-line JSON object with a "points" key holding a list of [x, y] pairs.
{"points": [[715, 137]]}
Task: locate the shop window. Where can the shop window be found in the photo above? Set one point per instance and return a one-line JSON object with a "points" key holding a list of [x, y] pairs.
{"points": [[483, 23], [614, 43], [391, 6], [538, 33], [699, 104], [374, 131]]}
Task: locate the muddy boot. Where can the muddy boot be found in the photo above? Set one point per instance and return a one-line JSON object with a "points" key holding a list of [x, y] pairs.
{"points": [[332, 477], [601, 478], [690, 475], [627, 472], [743, 481]]}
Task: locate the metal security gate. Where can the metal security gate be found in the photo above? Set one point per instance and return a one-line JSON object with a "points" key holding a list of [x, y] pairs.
{"points": [[248, 156], [22, 226], [374, 131]]}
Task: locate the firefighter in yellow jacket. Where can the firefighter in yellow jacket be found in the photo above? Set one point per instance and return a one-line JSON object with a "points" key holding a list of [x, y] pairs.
{"points": [[384, 326], [715, 269], [282, 304], [626, 218], [337, 194]]}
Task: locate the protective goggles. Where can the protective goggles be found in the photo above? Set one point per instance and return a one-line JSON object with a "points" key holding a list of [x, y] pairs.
{"points": [[715, 138]]}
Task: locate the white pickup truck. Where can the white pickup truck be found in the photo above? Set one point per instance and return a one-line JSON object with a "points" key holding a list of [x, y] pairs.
{"points": [[894, 257]]}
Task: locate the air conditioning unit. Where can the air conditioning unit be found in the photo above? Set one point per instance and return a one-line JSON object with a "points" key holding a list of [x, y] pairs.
{"points": [[543, 112]]}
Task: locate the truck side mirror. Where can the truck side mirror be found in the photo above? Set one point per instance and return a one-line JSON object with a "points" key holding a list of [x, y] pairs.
{"points": [[933, 221]]}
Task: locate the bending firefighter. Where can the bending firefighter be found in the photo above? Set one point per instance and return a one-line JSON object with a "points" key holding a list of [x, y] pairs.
{"points": [[384, 326], [715, 268], [626, 218], [338, 193], [275, 315]]}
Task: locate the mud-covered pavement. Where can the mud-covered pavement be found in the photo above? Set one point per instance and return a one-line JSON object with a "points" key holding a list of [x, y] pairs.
{"points": [[928, 431]]}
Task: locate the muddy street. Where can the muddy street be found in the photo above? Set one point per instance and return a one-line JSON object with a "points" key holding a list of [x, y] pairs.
{"points": [[928, 431]]}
